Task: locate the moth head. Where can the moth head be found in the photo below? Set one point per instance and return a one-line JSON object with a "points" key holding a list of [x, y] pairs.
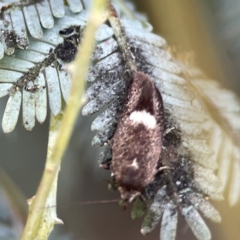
{"points": [[128, 195]]}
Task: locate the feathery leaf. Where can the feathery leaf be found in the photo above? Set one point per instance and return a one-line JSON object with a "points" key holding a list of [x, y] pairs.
{"points": [[189, 160]]}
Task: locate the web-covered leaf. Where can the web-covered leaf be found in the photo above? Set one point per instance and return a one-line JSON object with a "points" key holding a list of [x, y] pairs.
{"points": [[19, 19], [188, 157], [26, 75]]}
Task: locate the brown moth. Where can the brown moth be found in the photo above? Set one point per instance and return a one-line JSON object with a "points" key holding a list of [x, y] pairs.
{"points": [[137, 141]]}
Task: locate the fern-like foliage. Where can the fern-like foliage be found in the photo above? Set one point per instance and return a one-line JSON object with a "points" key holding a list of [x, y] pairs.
{"points": [[26, 75], [24, 25], [224, 103], [18, 18], [188, 180], [223, 107], [201, 119]]}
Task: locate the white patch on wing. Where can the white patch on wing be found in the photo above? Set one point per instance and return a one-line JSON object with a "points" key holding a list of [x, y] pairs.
{"points": [[135, 163], [143, 117]]}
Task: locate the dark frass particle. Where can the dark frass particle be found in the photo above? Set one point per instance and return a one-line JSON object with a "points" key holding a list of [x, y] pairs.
{"points": [[137, 141], [66, 51]]}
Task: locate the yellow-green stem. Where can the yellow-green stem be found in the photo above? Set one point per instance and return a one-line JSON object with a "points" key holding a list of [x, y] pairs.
{"points": [[78, 70]]}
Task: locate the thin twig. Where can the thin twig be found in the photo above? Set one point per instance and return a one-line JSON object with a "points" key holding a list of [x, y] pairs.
{"points": [[121, 38]]}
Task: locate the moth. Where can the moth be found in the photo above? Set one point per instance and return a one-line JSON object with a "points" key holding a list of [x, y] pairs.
{"points": [[142, 135], [137, 141]]}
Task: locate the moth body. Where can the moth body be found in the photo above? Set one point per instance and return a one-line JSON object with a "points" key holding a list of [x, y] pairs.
{"points": [[137, 141]]}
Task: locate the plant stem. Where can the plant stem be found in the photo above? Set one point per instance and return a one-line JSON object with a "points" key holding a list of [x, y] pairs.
{"points": [[64, 127]]}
